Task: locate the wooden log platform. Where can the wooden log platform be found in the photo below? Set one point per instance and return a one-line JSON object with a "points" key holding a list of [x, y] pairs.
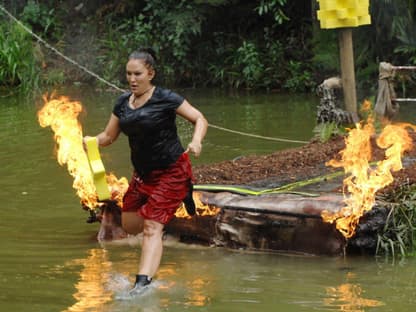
{"points": [[271, 222]]}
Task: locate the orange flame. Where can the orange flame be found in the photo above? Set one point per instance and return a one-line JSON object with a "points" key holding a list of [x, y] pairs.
{"points": [[117, 187], [61, 115], [364, 181], [201, 208]]}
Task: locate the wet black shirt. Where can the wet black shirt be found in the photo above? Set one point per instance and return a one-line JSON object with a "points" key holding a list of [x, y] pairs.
{"points": [[151, 129]]}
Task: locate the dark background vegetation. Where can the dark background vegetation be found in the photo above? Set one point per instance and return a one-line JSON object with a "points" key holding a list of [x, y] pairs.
{"points": [[266, 44]]}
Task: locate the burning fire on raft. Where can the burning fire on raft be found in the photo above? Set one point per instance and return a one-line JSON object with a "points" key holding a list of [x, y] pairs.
{"points": [[201, 208], [61, 114], [365, 180]]}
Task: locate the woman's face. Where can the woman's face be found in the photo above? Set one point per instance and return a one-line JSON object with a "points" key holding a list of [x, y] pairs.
{"points": [[138, 76]]}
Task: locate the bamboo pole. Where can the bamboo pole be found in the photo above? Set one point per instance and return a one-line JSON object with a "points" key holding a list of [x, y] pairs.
{"points": [[405, 100], [404, 67]]}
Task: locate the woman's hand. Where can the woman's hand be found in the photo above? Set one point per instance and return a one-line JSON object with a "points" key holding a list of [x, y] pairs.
{"points": [[194, 148], [193, 115], [84, 141], [108, 136]]}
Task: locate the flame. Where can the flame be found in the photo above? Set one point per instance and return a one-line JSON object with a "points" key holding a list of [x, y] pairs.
{"points": [[201, 208], [364, 181], [61, 114], [118, 187]]}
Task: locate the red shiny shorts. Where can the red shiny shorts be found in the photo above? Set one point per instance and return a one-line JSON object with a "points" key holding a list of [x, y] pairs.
{"points": [[158, 195]]}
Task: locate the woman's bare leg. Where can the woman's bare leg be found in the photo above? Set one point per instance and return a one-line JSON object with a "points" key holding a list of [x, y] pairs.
{"points": [[152, 244], [132, 223], [152, 247]]}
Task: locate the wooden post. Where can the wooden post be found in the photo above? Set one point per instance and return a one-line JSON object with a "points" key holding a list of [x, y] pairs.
{"points": [[345, 14], [347, 70]]}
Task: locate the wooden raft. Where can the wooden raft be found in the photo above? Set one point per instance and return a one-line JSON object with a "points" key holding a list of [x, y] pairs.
{"points": [[272, 222]]}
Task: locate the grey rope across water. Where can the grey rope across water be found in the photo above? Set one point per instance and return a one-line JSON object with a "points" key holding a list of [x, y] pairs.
{"points": [[123, 90], [59, 53], [257, 136]]}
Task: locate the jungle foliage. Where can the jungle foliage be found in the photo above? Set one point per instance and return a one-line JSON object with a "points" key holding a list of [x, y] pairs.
{"points": [[263, 44], [211, 43], [398, 236], [21, 58], [18, 64]]}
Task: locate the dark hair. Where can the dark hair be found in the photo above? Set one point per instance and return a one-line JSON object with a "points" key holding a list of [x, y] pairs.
{"points": [[148, 55]]}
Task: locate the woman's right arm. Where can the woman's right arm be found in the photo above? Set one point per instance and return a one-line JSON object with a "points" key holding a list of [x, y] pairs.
{"points": [[110, 133]]}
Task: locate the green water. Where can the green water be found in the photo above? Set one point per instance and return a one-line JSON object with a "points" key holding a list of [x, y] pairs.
{"points": [[50, 260]]}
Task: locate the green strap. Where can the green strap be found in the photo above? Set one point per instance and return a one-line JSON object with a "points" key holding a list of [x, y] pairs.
{"points": [[284, 189], [229, 188], [246, 191]]}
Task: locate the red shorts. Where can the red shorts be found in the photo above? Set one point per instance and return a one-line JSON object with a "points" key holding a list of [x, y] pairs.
{"points": [[158, 195]]}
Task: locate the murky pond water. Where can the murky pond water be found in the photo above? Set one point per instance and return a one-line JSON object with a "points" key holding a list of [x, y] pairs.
{"points": [[50, 260]]}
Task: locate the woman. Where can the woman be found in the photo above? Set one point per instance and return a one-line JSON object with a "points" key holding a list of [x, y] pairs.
{"points": [[162, 169]]}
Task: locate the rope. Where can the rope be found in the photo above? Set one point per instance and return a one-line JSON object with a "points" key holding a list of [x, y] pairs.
{"points": [[59, 53], [122, 90], [256, 136]]}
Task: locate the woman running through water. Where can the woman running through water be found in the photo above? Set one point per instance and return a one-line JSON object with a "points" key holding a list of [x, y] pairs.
{"points": [[162, 177]]}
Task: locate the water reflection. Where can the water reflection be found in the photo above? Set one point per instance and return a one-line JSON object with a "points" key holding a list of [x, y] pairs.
{"points": [[103, 285], [349, 297], [195, 291], [189, 285], [198, 296], [91, 292]]}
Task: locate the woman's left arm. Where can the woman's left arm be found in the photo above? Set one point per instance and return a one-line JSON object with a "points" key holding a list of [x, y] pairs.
{"points": [[193, 115]]}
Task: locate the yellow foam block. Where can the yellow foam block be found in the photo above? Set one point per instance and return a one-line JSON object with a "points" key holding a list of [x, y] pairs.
{"points": [[365, 20], [342, 4], [334, 23], [343, 13], [97, 169], [346, 22]]}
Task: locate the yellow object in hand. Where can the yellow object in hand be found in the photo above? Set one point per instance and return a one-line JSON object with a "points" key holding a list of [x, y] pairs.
{"points": [[97, 168]]}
